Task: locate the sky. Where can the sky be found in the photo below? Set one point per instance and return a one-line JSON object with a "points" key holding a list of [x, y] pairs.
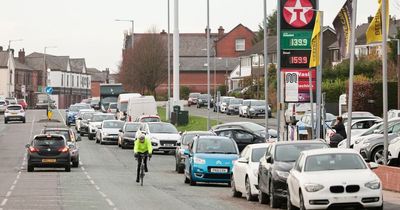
{"points": [[87, 28]]}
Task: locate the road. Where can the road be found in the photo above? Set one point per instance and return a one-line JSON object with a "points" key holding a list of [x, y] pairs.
{"points": [[104, 180]]}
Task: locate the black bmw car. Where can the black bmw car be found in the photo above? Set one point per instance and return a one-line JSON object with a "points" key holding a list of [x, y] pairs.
{"points": [[49, 150]]}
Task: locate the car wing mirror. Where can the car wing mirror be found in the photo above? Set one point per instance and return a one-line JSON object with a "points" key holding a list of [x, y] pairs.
{"points": [[377, 131], [243, 160], [120, 130]]}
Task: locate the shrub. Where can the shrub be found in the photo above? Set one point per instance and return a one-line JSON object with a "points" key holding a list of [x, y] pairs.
{"points": [[184, 92]]}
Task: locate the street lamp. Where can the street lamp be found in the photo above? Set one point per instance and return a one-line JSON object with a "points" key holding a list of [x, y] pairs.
{"points": [[133, 26], [215, 74]]}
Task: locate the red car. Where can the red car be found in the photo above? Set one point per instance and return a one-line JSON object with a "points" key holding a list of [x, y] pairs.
{"points": [[23, 103]]}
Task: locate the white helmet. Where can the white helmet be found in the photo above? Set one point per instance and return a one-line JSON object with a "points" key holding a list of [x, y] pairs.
{"points": [[142, 136]]}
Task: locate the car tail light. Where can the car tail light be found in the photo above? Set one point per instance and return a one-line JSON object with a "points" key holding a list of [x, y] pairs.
{"points": [[33, 149], [109, 110], [63, 149]]}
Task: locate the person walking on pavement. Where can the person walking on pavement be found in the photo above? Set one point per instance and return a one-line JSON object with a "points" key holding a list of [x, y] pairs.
{"points": [[142, 146], [339, 127]]}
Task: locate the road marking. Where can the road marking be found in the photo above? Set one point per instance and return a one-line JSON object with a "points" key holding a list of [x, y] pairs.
{"points": [[4, 202], [109, 202], [103, 194], [92, 182], [15, 182], [12, 187], [82, 168], [8, 194], [88, 176], [97, 187]]}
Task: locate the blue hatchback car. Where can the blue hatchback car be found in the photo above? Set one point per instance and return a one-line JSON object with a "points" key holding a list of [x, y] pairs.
{"points": [[210, 159]]}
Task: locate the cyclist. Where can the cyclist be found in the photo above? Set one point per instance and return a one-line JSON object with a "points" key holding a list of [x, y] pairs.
{"points": [[142, 146]]}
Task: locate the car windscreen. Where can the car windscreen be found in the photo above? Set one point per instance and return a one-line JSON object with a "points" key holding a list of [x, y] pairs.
{"points": [[290, 152], [226, 100], [50, 142], [59, 132], [258, 103], [150, 119], [216, 146], [94, 102], [204, 97], [101, 118], [335, 161], [257, 154], [130, 127], [189, 137], [194, 95], [124, 107], [246, 103], [162, 128], [113, 124], [236, 101], [13, 107], [87, 116], [113, 106], [21, 101]]}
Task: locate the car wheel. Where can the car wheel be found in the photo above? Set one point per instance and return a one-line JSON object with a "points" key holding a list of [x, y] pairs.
{"points": [[289, 203], [191, 182], [377, 156], [176, 166], [273, 199], [68, 168], [30, 168], [187, 181], [249, 195], [5, 121], [181, 169], [24, 120], [81, 134], [235, 193], [75, 163], [302, 207]]}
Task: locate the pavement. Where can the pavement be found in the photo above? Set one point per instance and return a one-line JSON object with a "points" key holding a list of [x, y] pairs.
{"points": [[105, 179]]}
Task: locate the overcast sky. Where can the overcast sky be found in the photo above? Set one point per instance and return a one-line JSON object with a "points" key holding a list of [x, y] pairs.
{"points": [[86, 28]]}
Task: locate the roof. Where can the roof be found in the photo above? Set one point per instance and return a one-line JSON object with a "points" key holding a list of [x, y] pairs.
{"points": [[35, 60], [239, 25], [92, 70], [77, 64], [98, 76], [200, 63], [4, 58], [21, 66], [300, 142], [258, 48], [329, 151]]}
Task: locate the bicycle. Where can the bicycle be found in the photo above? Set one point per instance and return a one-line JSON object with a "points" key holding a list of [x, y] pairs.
{"points": [[142, 173]]}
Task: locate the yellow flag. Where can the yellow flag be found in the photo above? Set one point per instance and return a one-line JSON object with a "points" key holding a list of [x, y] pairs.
{"points": [[374, 32], [315, 43]]}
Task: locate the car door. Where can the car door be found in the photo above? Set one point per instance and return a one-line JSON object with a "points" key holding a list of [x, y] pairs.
{"points": [[240, 171], [242, 138], [294, 181], [263, 171]]}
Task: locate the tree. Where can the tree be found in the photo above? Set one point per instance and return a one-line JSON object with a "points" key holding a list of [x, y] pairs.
{"points": [[393, 48], [144, 67], [272, 27]]}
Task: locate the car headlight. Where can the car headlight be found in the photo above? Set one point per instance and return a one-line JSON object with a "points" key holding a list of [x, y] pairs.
{"points": [[365, 144], [199, 161], [251, 109], [282, 174], [154, 139], [358, 141], [373, 185], [105, 134], [313, 187]]}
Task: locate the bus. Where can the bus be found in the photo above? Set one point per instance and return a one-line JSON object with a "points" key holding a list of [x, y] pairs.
{"points": [[109, 94]]}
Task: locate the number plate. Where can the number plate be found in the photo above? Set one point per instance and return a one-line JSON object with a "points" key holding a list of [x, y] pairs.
{"points": [[168, 145], [49, 160], [219, 170]]}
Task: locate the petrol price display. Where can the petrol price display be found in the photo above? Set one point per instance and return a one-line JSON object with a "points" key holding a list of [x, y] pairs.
{"points": [[295, 58], [295, 40]]}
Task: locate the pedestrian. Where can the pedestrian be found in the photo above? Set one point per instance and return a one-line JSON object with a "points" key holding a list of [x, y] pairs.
{"points": [[339, 127]]}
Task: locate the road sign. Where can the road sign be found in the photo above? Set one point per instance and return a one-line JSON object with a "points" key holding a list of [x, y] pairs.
{"points": [[49, 90], [296, 39], [297, 14], [23, 88]]}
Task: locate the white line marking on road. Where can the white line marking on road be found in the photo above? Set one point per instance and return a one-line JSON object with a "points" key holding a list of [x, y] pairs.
{"points": [[102, 194], [8, 194], [15, 182], [109, 202], [4, 202], [33, 123], [97, 187], [88, 176], [92, 182], [82, 168], [12, 187]]}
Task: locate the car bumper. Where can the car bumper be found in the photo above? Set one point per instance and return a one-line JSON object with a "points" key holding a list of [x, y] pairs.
{"points": [[202, 174], [110, 139], [128, 142], [14, 117], [233, 111], [60, 161], [280, 187], [163, 147], [84, 129], [326, 199]]}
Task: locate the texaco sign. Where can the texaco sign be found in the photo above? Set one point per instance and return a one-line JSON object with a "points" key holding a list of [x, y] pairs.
{"points": [[297, 14]]}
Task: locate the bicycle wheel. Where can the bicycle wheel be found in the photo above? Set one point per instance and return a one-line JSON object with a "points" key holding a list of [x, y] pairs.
{"points": [[141, 173]]}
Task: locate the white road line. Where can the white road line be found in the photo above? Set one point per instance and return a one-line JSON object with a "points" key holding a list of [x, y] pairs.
{"points": [[8, 194], [97, 187], [15, 182], [109, 202], [88, 176], [82, 168], [92, 182], [12, 187], [33, 123], [102, 194], [4, 202]]}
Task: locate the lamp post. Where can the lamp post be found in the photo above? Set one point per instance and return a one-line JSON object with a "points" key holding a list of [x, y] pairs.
{"points": [[208, 65], [215, 74], [169, 66], [266, 70], [133, 26]]}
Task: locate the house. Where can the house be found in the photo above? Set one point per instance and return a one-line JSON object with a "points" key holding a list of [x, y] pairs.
{"points": [[225, 48], [67, 76], [7, 72], [97, 77]]}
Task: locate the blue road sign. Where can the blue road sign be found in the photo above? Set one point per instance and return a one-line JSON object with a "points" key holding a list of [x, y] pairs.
{"points": [[49, 90]]}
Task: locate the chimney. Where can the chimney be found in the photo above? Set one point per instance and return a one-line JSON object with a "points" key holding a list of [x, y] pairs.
{"points": [[1, 48], [163, 32], [12, 52], [21, 56], [221, 32], [205, 31], [370, 18]]}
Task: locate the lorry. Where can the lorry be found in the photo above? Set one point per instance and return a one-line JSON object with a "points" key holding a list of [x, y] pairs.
{"points": [[43, 100], [109, 94], [139, 106], [122, 104]]}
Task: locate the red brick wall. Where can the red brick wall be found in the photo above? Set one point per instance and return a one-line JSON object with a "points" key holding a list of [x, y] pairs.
{"points": [[390, 177], [95, 89], [226, 47]]}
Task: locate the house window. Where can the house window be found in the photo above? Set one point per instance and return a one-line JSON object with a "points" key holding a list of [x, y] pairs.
{"points": [[336, 55], [77, 80], [240, 45]]}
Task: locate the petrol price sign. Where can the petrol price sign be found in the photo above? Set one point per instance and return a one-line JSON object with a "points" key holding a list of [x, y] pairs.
{"points": [[295, 58], [295, 39]]}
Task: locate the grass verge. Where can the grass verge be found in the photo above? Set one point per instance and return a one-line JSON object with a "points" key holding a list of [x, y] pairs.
{"points": [[196, 123]]}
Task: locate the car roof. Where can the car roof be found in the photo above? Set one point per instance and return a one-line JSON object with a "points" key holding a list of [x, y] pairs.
{"points": [[112, 121], [197, 132], [299, 142], [104, 114], [157, 123], [328, 151], [56, 129], [259, 145], [241, 124], [213, 137], [86, 110], [144, 116], [46, 135], [14, 105], [133, 123]]}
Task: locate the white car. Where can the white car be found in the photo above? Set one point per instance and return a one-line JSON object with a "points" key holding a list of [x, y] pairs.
{"points": [[78, 118], [245, 171], [356, 139], [109, 131], [324, 178], [3, 106], [295, 111], [14, 113], [394, 151], [164, 136], [95, 123], [112, 108], [224, 103], [243, 108]]}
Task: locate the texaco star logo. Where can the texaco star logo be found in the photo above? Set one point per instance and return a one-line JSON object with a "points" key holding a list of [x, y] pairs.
{"points": [[298, 13]]}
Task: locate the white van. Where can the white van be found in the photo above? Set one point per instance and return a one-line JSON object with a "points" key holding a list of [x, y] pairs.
{"points": [[122, 103], [138, 106]]}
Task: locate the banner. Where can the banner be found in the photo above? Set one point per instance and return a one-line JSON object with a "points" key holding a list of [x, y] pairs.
{"points": [[297, 86], [315, 43], [374, 32], [342, 25]]}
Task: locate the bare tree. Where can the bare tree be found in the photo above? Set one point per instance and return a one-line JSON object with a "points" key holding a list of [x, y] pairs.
{"points": [[144, 67]]}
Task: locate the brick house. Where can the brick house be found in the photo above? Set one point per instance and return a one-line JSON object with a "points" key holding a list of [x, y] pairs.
{"points": [[98, 77], [225, 49]]}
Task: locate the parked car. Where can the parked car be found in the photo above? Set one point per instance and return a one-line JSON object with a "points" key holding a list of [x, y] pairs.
{"points": [[183, 145], [274, 169], [358, 127], [48, 150], [192, 100], [148, 118], [164, 136], [72, 111], [71, 139], [11, 101], [394, 151], [234, 105], [14, 113], [224, 103], [95, 103], [359, 115], [202, 100], [374, 129], [95, 123], [243, 108], [108, 133], [305, 123], [328, 178], [79, 118], [112, 108], [257, 108], [295, 111], [3, 106], [23, 103], [86, 101], [245, 171], [127, 135], [393, 113], [242, 137], [248, 126], [210, 159], [84, 123]]}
